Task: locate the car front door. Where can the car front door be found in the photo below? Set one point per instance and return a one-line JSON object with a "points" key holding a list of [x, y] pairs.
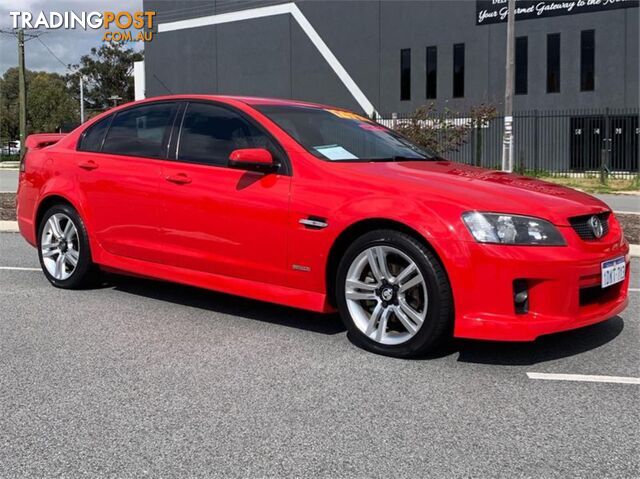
{"points": [[218, 219], [119, 173]]}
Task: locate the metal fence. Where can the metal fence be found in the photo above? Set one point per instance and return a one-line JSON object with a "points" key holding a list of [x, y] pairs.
{"points": [[555, 143]]}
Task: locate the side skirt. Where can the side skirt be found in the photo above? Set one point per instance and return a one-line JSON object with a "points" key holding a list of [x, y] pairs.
{"points": [[283, 295]]}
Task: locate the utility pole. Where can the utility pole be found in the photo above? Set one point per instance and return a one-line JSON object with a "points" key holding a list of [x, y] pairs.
{"points": [[22, 93], [507, 143], [81, 99]]}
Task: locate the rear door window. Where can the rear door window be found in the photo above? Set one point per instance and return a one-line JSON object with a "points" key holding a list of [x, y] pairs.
{"points": [[91, 139], [141, 131]]}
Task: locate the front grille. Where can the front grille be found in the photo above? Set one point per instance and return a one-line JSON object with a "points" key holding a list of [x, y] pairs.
{"points": [[581, 226]]}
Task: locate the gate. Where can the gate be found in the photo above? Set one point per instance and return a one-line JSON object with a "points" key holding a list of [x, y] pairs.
{"points": [[617, 135]]}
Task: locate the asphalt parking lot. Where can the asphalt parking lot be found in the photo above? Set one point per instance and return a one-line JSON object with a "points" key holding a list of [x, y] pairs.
{"points": [[141, 378]]}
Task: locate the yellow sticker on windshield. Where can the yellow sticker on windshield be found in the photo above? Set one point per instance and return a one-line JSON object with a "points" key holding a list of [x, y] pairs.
{"points": [[348, 115]]}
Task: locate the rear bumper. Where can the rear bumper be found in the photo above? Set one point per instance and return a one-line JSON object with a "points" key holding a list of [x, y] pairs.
{"points": [[563, 286]]}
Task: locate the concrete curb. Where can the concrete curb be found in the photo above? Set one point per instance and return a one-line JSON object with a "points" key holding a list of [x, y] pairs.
{"points": [[8, 227], [12, 227]]}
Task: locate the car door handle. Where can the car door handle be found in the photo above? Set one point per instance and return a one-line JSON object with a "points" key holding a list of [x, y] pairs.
{"points": [[88, 165], [179, 179]]}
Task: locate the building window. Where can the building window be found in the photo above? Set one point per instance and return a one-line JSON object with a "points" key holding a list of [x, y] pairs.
{"points": [[432, 72], [405, 74], [553, 63], [522, 65], [458, 70], [587, 60]]}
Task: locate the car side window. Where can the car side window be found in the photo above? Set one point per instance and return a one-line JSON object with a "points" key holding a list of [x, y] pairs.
{"points": [[141, 131], [91, 139], [210, 133]]}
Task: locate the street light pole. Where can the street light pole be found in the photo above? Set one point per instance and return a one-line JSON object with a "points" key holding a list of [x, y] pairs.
{"points": [[81, 99], [507, 143]]}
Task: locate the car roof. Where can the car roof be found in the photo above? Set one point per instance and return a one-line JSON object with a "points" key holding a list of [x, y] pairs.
{"points": [[249, 100]]}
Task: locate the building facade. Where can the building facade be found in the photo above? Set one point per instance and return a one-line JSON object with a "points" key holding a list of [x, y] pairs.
{"points": [[399, 54], [392, 56]]}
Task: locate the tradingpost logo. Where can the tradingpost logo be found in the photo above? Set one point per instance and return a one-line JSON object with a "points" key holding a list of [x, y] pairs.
{"points": [[119, 26]]}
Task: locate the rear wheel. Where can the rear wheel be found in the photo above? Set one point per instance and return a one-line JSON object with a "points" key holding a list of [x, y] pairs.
{"points": [[393, 294], [63, 248]]}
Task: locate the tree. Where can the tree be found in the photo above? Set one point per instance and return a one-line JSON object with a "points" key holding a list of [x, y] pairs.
{"points": [[448, 130], [49, 103], [438, 132], [107, 72]]}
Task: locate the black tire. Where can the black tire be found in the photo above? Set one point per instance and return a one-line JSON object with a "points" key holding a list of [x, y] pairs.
{"points": [[85, 273], [437, 325]]}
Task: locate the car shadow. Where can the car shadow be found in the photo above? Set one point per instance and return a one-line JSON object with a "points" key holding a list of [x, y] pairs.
{"points": [[545, 348], [227, 304]]}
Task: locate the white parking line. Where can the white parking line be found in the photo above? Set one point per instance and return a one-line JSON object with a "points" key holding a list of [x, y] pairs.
{"points": [[17, 268], [634, 290], [584, 377]]}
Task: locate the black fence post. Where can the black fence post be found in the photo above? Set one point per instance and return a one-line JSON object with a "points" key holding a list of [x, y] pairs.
{"points": [[605, 148]]}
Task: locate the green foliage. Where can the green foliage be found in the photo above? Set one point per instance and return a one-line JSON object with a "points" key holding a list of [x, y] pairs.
{"points": [[446, 130], [49, 104], [107, 72]]}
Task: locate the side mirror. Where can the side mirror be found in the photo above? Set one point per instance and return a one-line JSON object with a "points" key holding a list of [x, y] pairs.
{"points": [[258, 159]]}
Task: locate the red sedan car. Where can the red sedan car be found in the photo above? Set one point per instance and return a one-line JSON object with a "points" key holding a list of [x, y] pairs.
{"points": [[320, 208]]}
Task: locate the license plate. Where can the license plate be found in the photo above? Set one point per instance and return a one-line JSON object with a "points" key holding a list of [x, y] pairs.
{"points": [[613, 271]]}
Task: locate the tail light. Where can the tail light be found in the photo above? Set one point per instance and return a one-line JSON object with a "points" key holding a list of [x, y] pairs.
{"points": [[23, 158]]}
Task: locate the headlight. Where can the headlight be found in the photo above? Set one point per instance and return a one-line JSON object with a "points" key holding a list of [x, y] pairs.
{"points": [[511, 229]]}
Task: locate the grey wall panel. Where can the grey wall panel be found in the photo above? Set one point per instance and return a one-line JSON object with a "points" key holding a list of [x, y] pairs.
{"points": [[254, 57], [351, 29], [312, 78], [223, 6], [632, 68], [174, 10], [610, 41], [416, 25], [181, 61]]}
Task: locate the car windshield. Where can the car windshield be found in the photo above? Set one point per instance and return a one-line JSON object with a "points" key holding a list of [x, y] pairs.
{"points": [[339, 135]]}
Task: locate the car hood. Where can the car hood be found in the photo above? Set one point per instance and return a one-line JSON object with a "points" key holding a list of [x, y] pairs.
{"points": [[474, 188]]}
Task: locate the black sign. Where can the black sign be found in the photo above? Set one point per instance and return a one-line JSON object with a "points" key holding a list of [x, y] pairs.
{"points": [[495, 11]]}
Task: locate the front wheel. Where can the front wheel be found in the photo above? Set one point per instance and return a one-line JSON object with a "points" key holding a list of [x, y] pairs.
{"points": [[393, 294], [63, 248]]}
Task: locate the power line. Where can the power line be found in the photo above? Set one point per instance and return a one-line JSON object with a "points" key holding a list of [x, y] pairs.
{"points": [[54, 55], [28, 36]]}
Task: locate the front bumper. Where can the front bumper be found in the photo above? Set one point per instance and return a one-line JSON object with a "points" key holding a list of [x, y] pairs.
{"points": [[563, 286]]}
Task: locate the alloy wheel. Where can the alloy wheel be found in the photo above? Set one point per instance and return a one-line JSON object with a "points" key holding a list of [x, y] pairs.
{"points": [[386, 295], [60, 246]]}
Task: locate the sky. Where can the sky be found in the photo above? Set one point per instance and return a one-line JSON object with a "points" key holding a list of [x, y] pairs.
{"points": [[67, 45]]}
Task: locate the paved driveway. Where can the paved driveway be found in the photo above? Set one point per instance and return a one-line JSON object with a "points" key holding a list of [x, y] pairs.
{"points": [[141, 378], [8, 181]]}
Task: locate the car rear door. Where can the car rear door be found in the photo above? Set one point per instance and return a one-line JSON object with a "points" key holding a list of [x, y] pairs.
{"points": [[218, 219], [119, 174]]}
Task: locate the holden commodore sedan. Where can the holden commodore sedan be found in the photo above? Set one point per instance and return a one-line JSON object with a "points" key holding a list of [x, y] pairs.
{"points": [[319, 208]]}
